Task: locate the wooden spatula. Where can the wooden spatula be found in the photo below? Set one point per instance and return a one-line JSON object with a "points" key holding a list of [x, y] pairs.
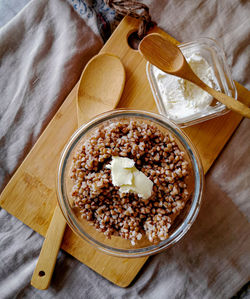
{"points": [[100, 88]]}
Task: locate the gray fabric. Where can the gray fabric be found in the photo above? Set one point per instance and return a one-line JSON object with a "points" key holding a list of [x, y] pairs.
{"points": [[8, 9], [42, 52]]}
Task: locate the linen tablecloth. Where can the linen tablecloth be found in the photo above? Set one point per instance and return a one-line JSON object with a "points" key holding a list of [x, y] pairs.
{"points": [[43, 50]]}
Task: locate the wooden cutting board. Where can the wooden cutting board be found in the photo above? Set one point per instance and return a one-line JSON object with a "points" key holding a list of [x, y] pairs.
{"points": [[30, 195]]}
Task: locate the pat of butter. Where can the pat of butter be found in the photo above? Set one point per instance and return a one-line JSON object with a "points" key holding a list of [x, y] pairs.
{"points": [[125, 175]]}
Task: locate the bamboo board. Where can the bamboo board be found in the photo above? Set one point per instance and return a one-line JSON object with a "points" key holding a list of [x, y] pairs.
{"points": [[30, 195]]}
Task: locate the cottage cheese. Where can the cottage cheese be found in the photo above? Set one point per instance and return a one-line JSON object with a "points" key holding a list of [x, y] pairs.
{"points": [[182, 98]]}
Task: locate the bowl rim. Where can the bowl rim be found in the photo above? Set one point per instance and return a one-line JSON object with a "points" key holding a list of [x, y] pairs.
{"points": [[197, 194]]}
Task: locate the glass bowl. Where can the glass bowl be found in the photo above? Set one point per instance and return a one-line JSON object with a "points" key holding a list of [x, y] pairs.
{"points": [[118, 246], [210, 50]]}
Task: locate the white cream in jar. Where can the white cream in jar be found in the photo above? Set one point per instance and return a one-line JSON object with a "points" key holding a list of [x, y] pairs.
{"points": [[182, 98]]}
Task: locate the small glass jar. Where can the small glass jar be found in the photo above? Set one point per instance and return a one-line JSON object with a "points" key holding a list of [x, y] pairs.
{"points": [[210, 50], [118, 246]]}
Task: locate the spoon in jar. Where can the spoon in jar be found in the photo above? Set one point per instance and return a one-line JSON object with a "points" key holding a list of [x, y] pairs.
{"points": [[169, 58], [99, 90]]}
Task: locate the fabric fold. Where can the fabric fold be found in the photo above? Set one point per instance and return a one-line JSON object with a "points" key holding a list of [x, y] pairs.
{"points": [[43, 51]]}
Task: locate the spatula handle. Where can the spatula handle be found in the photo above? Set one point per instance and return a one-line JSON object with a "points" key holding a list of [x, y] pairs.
{"points": [[228, 101], [48, 255], [243, 94]]}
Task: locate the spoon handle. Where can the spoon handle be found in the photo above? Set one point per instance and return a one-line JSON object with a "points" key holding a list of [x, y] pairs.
{"points": [[228, 101], [51, 245]]}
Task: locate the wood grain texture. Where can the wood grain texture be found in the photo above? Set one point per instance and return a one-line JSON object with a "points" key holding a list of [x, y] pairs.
{"points": [[101, 86], [30, 195]]}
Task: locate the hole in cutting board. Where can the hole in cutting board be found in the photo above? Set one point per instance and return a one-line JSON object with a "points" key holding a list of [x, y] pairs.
{"points": [[134, 40], [41, 273]]}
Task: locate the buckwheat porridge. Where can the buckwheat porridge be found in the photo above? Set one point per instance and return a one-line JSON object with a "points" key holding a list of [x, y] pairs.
{"points": [[152, 158]]}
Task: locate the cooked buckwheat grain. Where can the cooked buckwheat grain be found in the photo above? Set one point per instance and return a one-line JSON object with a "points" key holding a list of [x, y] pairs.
{"points": [[156, 154]]}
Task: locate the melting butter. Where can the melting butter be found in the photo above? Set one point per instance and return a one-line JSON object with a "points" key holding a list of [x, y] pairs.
{"points": [[125, 175]]}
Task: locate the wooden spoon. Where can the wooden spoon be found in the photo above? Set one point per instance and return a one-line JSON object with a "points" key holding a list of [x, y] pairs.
{"points": [[169, 58], [100, 88]]}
